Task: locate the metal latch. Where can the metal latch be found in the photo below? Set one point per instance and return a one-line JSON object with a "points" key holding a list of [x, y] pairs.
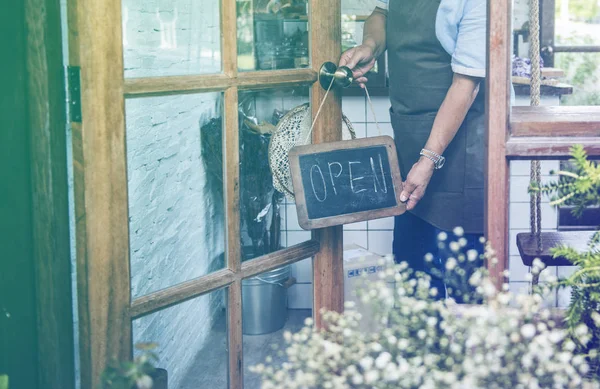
{"points": [[73, 76]]}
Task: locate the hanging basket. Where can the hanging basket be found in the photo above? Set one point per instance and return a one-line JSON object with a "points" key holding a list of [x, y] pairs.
{"points": [[294, 130]]}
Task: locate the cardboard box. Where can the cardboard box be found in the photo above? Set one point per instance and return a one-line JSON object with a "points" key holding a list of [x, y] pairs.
{"points": [[360, 265]]}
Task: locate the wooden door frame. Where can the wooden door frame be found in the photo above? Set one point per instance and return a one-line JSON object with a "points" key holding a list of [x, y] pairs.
{"points": [[36, 256], [102, 235]]}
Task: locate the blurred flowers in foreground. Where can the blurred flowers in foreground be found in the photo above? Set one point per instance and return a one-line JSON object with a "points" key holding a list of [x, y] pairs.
{"points": [[509, 341]]}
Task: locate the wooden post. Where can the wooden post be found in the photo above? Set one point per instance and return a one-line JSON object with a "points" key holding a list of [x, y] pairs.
{"points": [[497, 115], [50, 241], [100, 180], [325, 30]]}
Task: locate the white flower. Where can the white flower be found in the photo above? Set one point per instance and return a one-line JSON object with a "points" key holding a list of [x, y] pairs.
{"points": [[458, 231], [371, 376], [472, 255], [366, 363], [428, 257], [442, 236], [451, 262], [357, 379], [462, 242], [382, 360], [144, 382], [455, 247], [528, 331]]}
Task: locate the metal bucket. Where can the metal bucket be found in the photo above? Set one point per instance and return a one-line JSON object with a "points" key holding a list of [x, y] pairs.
{"points": [[264, 302]]}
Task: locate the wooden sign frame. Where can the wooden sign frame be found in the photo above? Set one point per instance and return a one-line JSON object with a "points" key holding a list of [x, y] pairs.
{"points": [[299, 192]]}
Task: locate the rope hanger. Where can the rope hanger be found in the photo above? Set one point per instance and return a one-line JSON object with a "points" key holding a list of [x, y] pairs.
{"points": [[535, 219]]}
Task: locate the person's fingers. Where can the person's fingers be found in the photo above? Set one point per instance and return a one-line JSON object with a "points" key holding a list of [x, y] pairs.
{"points": [[363, 68], [407, 190], [361, 80], [353, 58], [414, 198], [346, 56]]}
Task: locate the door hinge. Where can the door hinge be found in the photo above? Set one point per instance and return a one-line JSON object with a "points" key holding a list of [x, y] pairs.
{"points": [[73, 74]]}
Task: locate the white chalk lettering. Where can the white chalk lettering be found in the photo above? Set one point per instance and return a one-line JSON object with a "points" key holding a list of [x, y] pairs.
{"points": [[354, 179], [375, 178], [312, 182], [331, 175]]}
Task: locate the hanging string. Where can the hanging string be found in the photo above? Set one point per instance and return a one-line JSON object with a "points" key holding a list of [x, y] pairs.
{"points": [[312, 126], [372, 109], [318, 112], [535, 96]]}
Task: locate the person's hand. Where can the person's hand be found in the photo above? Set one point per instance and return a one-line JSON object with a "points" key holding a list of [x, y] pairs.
{"points": [[360, 59], [413, 189]]}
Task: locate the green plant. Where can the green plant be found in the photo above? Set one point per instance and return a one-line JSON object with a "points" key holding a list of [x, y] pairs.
{"points": [[581, 189], [136, 374]]}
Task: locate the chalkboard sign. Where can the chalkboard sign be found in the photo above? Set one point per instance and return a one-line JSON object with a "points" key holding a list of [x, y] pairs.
{"points": [[346, 182]]}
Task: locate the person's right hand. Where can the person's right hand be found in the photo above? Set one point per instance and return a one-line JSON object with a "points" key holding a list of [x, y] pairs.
{"points": [[360, 59]]}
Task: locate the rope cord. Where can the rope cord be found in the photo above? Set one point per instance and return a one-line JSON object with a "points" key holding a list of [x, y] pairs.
{"points": [[323, 102], [535, 96], [372, 110]]}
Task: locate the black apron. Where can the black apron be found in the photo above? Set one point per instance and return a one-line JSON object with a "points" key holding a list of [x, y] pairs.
{"points": [[420, 75]]}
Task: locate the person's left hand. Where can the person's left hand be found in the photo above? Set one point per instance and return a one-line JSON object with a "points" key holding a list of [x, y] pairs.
{"points": [[413, 189]]}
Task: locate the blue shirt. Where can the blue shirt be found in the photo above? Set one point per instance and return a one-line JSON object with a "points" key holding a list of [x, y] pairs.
{"points": [[461, 27]]}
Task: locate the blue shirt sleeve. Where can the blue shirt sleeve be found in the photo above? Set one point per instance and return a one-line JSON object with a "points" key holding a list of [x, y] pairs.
{"points": [[461, 29]]}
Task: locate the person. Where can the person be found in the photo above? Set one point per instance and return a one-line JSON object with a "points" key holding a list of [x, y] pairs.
{"points": [[436, 62]]}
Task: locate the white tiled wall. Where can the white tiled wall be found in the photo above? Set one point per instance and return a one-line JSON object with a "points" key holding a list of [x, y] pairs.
{"points": [[377, 235]]}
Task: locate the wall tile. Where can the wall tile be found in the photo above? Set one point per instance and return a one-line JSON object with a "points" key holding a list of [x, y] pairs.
{"points": [[386, 223], [354, 108], [519, 216], [360, 129], [386, 129], [381, 106], [518, 271], [296, 237], [303, 272], [522, 167], [566, 271], [300, 296], [380, 242], [356, 226], [292, 218], [356, 237], [519, 186]]}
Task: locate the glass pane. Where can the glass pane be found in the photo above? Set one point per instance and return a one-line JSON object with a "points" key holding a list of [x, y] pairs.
{"points": [[171, 37], [582, 71], [265, 317], [174, 166], [191, 340], [264, 224], [272, 35], [577, 22]]}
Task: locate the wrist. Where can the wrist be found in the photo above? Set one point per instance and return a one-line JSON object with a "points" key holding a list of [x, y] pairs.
{"points": [[371, 45], [427, 162]]}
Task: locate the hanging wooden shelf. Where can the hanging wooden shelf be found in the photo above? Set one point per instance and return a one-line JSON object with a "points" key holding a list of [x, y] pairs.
{"points": [[528, 246]]}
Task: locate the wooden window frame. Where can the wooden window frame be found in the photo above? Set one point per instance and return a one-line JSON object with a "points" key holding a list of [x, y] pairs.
{"points": [[106, 310], [521, 132]]}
